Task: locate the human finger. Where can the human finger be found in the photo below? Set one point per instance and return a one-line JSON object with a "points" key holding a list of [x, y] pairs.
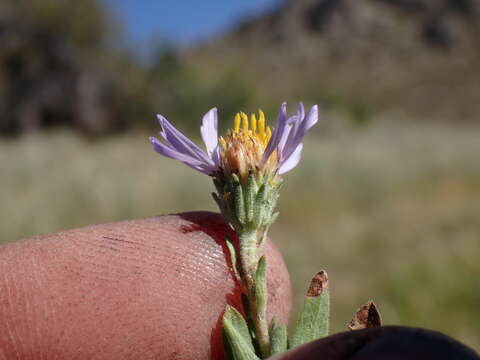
{"points": [[142, 289]]}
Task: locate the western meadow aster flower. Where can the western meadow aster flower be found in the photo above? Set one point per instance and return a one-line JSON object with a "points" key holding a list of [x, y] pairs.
{"points": [[250, 146], [245, 166]]}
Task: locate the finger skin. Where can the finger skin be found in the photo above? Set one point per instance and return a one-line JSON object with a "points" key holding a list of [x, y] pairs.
{"points": [[143, 289], [380, 343]]}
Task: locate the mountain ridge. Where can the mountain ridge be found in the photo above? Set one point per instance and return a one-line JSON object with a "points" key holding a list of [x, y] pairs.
{"points": [[420, 57]]}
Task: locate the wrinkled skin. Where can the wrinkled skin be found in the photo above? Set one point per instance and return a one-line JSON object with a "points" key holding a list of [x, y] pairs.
{"points": [[143, 289]]}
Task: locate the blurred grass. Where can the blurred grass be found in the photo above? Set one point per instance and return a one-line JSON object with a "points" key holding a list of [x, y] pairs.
{"points": [[390, 210]]}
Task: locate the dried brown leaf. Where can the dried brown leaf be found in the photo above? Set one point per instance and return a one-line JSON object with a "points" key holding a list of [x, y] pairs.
{"points": [[318, 284], [366, 316]]}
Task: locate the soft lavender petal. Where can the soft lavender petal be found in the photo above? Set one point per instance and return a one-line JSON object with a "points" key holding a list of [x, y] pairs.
{"points": [[300, 110], [209, 130], [162, 133], [277, 132], [180, 142], [216, 156], [205, 169], [301, 128], [170, 152], [311, 118], [300, 116], [292, 161], [167, 151], [286, 135], [287, 145]]}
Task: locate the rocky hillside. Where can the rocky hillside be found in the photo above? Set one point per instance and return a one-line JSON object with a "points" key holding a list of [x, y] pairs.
{"points": [[420, 57]]}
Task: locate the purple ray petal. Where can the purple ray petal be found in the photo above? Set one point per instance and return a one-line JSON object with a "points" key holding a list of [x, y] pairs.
{"points": [[209, 130], [301, 129], [286, 135], [168, 151], [277, 132], [290, 146], [311, 118], [216, 156], [180, 142], [205, 169], [165, 150], [292, 161], [285, 146], [300, 110]]}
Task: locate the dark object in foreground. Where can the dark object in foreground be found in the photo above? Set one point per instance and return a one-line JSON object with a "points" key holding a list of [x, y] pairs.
{"points": [[385, 343]]}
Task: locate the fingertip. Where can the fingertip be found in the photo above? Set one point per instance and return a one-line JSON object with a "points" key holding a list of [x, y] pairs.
{"points": [[153, 288]]}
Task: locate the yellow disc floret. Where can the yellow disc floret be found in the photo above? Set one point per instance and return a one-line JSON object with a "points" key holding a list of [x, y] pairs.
{"points": [[241, 151]]}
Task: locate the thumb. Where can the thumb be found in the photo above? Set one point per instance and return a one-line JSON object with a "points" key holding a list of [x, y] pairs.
{"points": [[152, 289]]}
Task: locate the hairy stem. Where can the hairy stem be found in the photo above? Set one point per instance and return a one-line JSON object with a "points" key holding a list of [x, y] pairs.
{"points": [[249, 255]]}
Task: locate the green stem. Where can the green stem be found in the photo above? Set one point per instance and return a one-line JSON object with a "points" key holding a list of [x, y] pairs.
{"points": [[249, 255]]}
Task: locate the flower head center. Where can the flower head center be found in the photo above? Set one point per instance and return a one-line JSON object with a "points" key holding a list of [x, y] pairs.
{"points": [[241, 151]]}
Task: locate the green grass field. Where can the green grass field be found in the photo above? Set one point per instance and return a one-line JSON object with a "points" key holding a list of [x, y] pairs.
{"points": [[392, 212]]}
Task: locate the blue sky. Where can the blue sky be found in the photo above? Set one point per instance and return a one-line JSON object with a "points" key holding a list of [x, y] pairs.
{"points": [[181, 21]]}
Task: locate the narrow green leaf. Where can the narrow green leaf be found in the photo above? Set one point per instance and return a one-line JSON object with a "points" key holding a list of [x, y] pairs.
{"points": [[235, 178], [271, 202], [233, 256], [272, 326], [259, 206], [278, 338], [238, 335], [314, 319], [250, 193], [273, 218], [239, 203], [248, 319], [261, 286], [278, 186], [226, 347]]}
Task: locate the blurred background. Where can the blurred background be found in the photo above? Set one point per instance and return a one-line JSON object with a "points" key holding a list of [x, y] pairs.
{"points": [[387, 196]]}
